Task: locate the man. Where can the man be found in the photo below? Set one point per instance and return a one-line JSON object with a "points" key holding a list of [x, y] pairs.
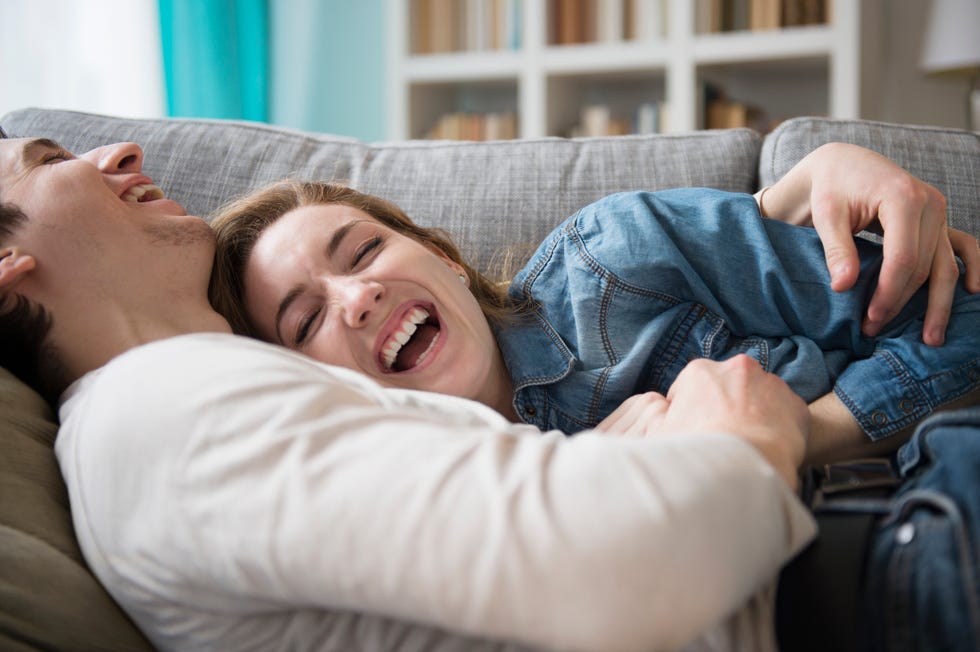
{"points": [[232, 495]]}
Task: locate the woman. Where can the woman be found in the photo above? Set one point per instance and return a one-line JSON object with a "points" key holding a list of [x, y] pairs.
{"points": [[589, 322]]}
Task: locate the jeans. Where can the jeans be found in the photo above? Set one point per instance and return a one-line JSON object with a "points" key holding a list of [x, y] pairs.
{"points": [[922, 583]]}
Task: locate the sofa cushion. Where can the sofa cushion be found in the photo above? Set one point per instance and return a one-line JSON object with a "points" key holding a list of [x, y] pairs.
{"points": [[48, 598], [949, 159], [474, 190]]}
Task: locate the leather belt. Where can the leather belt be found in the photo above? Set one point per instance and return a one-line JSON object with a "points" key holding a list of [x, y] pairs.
{"points": [[818, 602]]}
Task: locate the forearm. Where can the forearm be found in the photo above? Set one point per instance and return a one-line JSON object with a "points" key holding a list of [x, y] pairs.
{"points": [[835, 435]]}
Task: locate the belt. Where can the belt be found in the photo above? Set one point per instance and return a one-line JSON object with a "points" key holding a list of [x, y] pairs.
{"points": [[818, 602]]}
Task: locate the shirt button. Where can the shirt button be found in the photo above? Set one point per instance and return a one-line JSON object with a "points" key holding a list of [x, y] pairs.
{"points": [[879, 418], [906, 405], [530, 410], [974, 374], [905, 534]]}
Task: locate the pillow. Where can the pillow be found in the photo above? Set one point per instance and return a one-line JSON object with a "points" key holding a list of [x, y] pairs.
{"points": [[48, 598]]}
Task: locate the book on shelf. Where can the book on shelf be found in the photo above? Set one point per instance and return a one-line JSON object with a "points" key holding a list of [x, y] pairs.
{"points": [[440, 26], [713, 16], [461, 125], [600, 120], [644, 20], [723, 112]]}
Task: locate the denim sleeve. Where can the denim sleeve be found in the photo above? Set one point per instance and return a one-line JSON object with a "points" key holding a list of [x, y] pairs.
{"points": [[767, 279]]}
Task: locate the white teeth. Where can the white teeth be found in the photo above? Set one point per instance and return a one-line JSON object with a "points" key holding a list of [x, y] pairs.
{"points": [[143, 192], [402, 335]]}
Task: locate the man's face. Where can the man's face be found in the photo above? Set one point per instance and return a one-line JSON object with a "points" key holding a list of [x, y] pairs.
{"points": [[96, 212]]}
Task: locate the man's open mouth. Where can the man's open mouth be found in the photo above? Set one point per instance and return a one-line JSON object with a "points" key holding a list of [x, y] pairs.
{"points": [[142, 192], [412, 342]]}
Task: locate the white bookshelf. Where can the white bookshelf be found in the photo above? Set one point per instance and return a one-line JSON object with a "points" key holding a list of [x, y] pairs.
{"points": [[828, 69]]}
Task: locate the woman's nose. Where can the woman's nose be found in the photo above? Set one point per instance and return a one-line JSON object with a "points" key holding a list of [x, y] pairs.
{"points": [[116, 159], [357, 298]]}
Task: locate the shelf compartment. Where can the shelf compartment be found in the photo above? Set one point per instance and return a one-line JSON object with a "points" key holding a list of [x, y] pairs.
{"points": [[431, 101], [572, 98]]}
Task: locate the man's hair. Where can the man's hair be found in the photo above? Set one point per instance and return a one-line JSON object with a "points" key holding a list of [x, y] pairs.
{"points": [[24, 328]]}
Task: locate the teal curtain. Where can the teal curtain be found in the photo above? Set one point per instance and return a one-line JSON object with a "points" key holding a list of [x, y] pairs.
{"points": [[215, 58]]}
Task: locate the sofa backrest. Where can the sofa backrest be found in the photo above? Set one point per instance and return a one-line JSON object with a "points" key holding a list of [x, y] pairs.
{"points": [[489, 196], [949, 159]]}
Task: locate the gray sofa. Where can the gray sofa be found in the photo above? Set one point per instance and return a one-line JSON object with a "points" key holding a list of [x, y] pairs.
{"points": [[490, 196]]}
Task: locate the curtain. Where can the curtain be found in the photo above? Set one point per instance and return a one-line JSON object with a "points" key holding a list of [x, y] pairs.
{"points": [[215, 58]]}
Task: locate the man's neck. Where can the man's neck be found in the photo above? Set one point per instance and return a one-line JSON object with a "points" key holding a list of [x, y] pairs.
{"points": [[93, 342]]}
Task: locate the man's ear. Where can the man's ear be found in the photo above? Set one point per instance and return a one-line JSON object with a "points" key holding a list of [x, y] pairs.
{"points": [[14, 266]]}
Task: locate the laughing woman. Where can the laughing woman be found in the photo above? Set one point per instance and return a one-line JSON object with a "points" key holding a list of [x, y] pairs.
{"points": [[614, 303]]}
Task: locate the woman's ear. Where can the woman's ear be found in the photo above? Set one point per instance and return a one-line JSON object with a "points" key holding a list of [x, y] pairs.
{"points": [[14, 266], [452, 264]]}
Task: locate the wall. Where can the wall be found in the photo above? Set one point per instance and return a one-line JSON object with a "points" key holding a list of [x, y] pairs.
{"points": [[908, 95]]}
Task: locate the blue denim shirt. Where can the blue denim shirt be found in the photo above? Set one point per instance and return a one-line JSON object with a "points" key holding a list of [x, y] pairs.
{"points": [[633, 287]]}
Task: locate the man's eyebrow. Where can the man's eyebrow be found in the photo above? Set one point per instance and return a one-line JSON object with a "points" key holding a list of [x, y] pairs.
{"points": [[31, 148]]}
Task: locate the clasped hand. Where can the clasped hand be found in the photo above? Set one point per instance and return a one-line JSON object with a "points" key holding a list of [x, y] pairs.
{"points": [[734, 397]]}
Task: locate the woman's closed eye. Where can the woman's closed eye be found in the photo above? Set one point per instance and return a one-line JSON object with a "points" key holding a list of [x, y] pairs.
{"points": [[370, 247], [361, 256], [305, 326]]}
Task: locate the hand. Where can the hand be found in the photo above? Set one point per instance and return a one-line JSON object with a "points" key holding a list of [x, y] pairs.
{"points": [[841, 189], [738, 397], [641, 415]]}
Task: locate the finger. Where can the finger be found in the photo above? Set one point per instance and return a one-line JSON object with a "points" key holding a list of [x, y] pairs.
{"points": [[966, 247], [904, 267], [838, 242], [942, 289]]}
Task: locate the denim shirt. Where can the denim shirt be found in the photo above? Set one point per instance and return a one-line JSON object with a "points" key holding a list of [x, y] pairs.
{"points": [[633, 287]]}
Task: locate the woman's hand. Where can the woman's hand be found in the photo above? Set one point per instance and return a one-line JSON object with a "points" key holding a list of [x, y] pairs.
{"points": [[640, 415], [841, 189]]}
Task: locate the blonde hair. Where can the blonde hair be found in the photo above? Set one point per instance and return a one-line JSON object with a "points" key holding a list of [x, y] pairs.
{"points": [[239, 225]]}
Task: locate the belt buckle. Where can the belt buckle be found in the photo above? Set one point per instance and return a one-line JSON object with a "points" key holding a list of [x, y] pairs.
{"points": [[842, 478]]}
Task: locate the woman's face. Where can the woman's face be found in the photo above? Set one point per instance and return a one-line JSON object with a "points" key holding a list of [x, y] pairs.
{"points": [[334, 283]]}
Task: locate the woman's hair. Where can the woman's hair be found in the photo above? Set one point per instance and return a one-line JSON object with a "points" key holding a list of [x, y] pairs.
{"points": [[239, 224]]}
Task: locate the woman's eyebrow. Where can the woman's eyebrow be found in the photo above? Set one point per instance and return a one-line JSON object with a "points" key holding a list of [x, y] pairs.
{"points": [[338, 237]]}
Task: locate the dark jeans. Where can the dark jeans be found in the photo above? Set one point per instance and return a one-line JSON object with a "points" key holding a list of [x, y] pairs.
{"points": [[922, 588]]}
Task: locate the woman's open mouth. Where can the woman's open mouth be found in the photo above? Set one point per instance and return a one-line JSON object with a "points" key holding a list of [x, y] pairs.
{"points": [[411, 342]]}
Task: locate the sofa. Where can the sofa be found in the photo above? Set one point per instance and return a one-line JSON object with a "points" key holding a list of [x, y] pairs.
{"points": [[491, 197]]}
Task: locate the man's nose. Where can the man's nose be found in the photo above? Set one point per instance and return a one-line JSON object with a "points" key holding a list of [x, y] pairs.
{"points": [[116, 159]]}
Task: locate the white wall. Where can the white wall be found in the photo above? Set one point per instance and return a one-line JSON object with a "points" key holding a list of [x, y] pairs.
{"points": [[907, 94], [101, 56]]}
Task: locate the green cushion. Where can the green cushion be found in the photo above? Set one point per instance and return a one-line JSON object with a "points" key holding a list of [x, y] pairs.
{"points": [[48, 598]]}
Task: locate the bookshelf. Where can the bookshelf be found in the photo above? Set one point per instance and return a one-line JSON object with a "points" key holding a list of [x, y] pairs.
{"points": [[477, 69]]}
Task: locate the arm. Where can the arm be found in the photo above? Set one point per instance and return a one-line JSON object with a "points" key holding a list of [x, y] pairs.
{"points": [[841, 189], [398, 505]]}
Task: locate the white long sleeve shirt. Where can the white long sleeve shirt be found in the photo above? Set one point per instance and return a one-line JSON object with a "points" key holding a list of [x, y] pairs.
{"points": [[232, 495]]}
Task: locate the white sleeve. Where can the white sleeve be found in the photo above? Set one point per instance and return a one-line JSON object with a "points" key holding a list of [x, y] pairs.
{"points": [[313, 488]]}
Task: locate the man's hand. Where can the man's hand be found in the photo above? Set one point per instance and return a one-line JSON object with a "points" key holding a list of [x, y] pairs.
{"points": [[735, 397], [841, 189]]}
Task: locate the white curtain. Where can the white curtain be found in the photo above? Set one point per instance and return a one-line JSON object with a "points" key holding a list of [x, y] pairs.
{"points": [[101, 56]]}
